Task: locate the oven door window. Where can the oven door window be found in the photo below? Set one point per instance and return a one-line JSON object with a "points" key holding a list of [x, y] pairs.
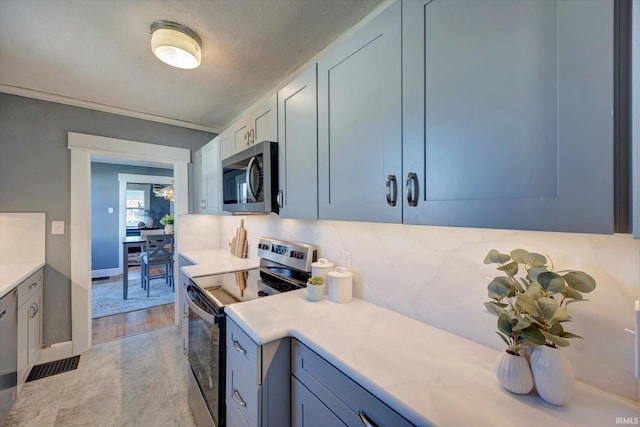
{"points": [[243, 182], [204, 357]]}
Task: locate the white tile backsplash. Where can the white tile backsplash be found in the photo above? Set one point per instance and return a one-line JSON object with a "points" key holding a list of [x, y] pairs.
{"points": [[436, 275], [22, 238]]}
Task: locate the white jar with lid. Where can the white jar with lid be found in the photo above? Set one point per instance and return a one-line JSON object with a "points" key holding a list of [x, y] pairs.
{"points": [[340, 285], [321, 268]]}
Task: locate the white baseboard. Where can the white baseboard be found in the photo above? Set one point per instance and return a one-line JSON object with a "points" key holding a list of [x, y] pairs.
{"points": [[106, 272], [57, 351]]}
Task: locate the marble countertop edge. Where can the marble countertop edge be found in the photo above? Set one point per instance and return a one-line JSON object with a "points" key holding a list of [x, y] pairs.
{"points": [[11, 275]]}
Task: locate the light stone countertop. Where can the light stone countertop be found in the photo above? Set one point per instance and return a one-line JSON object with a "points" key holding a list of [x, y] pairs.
{"points": [[215, 261], [12, 275], [428, 375]]}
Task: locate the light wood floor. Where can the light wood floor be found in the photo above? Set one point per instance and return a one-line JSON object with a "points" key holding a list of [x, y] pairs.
{"points": [[134, 322], [109, 328]]}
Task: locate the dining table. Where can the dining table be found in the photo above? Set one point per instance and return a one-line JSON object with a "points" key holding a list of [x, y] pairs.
{"points": [[130, 242]]}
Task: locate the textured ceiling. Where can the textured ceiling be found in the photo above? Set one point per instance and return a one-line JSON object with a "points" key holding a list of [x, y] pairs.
{"points": [[98, 52]]}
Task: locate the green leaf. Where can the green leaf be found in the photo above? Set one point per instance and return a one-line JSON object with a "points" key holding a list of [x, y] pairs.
{"points": [[495, 257], [511, 269], [551, 282], [569, 292], [494, 308], [534, 291], [575, 300], [547, 307], [569, 335], [533, 335], [527, 304], [534, 260], [535, 272], [522, 324], [556, 329], [503, 338], [555, 339], [499, 288], [580, 281], [518, 255], [561, 315], [504, 324]]}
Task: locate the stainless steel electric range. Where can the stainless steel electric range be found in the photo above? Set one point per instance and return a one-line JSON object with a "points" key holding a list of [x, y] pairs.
{"points": [[284, 266]]}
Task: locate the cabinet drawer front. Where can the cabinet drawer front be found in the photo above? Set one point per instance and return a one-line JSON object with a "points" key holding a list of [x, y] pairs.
{"points": [[28, 287], [243, 354], [244, 395], [338, 392], [234, 417], [308, 410]]}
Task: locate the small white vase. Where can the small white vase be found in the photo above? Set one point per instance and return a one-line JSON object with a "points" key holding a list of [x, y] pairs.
{"points": [[553, 374], [168, 229], [315, 292], [514, 373]]}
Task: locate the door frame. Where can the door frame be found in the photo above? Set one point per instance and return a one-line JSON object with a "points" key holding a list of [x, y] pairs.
{"points": [[83, 147]]}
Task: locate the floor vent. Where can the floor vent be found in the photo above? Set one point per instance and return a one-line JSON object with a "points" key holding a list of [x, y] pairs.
{"points": [[53, 368]]}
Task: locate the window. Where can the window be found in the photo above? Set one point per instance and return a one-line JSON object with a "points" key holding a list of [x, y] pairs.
{"points": [[137, 201]]}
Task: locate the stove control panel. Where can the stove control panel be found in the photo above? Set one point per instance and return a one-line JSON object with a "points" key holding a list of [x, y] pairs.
{"points": [[292, 254]]}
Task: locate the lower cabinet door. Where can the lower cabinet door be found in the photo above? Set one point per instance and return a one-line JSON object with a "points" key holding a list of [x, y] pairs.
{"points": [[307, 410], [245, 396]]}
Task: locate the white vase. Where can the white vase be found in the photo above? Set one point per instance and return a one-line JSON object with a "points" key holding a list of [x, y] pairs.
{"points": [[553, 375], [514, 373], [168, 229]]}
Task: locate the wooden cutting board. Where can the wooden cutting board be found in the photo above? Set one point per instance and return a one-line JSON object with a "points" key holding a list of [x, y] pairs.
{"points": [[239, 244]]}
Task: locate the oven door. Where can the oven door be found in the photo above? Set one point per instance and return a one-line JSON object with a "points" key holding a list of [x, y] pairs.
{"points": [[206, 358]]}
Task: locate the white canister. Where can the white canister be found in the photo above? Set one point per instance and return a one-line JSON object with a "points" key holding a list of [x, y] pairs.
{"points": [[321, 268], [340, 285]]}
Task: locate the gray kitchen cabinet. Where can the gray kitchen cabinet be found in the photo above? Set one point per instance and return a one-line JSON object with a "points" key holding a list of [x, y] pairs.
{"points": [[339, 394], [298, 147], [30, 295], [308, 410], [257, 390], [226, 142], [359, 123], [207, 173], [507, 114], [260, 124]]}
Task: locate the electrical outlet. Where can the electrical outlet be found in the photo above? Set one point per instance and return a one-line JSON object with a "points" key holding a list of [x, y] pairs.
{"points": [[346, 260], [485, 293]]}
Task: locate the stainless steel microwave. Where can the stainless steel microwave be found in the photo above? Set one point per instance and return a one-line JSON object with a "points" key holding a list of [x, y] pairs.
{"points": [[250, 180]]}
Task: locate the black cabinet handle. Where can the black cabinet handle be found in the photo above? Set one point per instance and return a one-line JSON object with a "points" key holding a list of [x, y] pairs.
{"points": [[413, 191]]}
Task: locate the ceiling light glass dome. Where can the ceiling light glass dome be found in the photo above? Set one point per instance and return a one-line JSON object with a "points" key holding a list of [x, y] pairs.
{"points": [[175, 44]]}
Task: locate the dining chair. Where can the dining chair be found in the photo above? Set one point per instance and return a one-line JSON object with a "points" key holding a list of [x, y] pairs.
{"points": [[158, 253]]}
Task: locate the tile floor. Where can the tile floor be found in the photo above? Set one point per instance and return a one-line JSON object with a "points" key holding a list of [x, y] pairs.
{"points": [[138, 380]]}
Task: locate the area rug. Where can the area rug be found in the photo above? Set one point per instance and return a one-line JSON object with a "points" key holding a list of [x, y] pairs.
{"points": [[106, 298]]}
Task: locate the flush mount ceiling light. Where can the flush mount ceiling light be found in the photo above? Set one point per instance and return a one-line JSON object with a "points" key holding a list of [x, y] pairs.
{"points": [[175, 44]]}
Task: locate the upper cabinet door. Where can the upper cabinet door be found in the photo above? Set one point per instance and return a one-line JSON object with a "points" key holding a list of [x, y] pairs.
{"points": [[264, 121], [359, 123], [507, 114], [298, 147], [241, 132]]}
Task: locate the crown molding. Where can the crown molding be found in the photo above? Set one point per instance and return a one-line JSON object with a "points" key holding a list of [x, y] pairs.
{"points": [[45, 96]]}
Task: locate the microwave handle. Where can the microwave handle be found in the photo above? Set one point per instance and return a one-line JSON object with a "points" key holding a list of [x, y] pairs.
{"points": [[248, 178]]}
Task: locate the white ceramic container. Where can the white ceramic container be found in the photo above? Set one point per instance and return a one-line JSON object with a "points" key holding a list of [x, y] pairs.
{"points": [[514, 373], [340, 285], [321, 268], [552, 374]]}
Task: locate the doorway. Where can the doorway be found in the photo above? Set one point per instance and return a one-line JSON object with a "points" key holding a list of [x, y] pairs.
{"points": [[84, 148]]}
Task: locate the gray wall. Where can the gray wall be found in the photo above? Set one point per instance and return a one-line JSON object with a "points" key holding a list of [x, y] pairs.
{"points": [[105, 193], [35, 177]]}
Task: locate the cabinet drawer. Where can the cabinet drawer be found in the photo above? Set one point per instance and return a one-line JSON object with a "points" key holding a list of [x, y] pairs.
{"points": [[242, 353], [29, 286], [308, 410], [343, 396], [244, 395]]}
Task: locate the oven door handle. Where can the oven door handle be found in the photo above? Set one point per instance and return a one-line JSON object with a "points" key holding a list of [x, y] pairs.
{"points": [[209, 318]]}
